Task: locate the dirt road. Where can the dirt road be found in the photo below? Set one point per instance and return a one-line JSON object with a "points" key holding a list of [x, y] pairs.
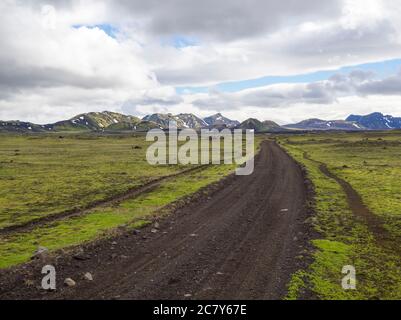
{"points": [[241, 242]]}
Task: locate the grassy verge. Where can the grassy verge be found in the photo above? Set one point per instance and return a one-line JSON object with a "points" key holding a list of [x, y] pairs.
{"points": [[133, 213], [344, 239]]}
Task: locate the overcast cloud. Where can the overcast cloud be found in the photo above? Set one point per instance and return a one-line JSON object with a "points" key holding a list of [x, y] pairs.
{"points": [[56, 63]]}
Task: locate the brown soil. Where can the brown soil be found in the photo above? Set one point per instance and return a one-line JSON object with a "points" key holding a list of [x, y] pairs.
{"points": [[240, 242]]}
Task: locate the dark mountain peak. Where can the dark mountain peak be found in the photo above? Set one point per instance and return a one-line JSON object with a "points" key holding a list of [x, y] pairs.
{"points": [[376, 121], [183, 120], [354, 117], [219, 120], [318, 124], [260, 127], [192, 121]]}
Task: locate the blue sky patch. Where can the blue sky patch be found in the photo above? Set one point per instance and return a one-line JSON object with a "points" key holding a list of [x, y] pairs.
{"points": [[381, 69], [180, 42], [110, 30]]}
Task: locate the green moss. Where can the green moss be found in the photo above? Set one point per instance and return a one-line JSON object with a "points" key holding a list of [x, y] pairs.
{"points": [[80, 169], [132, 213], [296, 285], [369, 162], [43, 175]]}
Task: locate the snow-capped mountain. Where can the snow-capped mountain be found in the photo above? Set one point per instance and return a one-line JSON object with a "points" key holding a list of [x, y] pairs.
{"points": [[219, 120], [376, 121], [318, 124], [192, 121], [163, 120]]}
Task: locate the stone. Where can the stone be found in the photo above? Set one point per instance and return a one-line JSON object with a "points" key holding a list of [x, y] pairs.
{"points": [[88, 276], [69, 282], [40, 253]]}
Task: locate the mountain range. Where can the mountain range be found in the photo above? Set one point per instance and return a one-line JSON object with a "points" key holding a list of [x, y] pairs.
{"points": [[373, 121], [112, 121]]}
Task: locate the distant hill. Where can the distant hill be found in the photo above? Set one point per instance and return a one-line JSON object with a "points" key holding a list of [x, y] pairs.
{"points": [[318, 124], [95, 121], [192, 121], [260, 127], [183, 120], [141, 126], [218, 120], [163, 120], [376, 121], [19, 126]]}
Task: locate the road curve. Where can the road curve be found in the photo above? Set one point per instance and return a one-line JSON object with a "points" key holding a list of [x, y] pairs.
{"points": [[240, 243]]}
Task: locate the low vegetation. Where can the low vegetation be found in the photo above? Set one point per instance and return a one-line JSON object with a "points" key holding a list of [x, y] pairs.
{"points": [[46, 174], [130, 214], [370, 163]]}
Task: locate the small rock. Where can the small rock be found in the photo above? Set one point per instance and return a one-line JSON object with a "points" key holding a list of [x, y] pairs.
{"points": [[29, 283], [88, 276], [81, 256], [284, 210], [188, 295], [136, 232], [157, 225], [69, 282], [40, 253], [41, 250], [154, 230], [114, 243], [193, 235]]}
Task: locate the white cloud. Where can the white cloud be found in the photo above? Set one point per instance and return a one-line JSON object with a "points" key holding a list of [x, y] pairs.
{"points": [[46, 63], [50, 69], [296, 101]]}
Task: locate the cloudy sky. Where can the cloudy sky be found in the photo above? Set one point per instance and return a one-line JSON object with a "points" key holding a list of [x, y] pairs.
{"points": [[283, 60]]}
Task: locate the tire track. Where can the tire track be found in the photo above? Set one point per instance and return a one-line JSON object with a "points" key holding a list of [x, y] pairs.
{"points": [[374, 223], [114, 200]]}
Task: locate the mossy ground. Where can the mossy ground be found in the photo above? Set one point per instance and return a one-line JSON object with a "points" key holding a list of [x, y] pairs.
{"points": [[52, 174], [370, 162], [46, 174]]}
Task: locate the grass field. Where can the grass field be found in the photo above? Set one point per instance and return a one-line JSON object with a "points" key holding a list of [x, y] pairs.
{"points": [[47, 174], [42, 175], [371, 164]]}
